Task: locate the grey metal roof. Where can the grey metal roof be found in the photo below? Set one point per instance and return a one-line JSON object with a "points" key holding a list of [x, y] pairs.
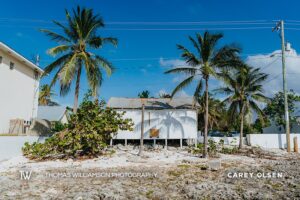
{"points": [[51, 113], [151, 103]]}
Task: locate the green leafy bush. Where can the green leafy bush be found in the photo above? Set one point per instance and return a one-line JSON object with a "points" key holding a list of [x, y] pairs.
{"points": [[58, 126], [214, 148], [87, 134]]}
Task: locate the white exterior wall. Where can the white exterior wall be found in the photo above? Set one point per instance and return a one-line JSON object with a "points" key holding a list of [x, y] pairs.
{"points": [[172, 124], [271, 141], [18, 92]]}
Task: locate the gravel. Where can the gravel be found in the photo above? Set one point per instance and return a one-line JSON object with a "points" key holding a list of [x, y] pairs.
{"points": [[172, 174]]}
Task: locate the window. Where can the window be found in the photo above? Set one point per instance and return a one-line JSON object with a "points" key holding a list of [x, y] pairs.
{"points": [[1, 59], [36, 74], [11, 65]]}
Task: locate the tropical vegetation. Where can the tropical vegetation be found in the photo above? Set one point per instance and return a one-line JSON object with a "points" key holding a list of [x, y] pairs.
{"points": [[87, 134], [216, 113], [275, 108], [45, 96], [76, 52], [144, 94], [202, 63], [244, 88]]}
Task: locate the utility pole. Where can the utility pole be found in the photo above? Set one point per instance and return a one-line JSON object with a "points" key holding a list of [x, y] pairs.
{"points": [[142, 130], [280, 25]]}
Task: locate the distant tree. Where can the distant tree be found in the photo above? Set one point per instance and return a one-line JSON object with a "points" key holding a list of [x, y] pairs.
{"points": [[275, 108], [144, 94], [164, 95], [244, 88], [76, 50], [259, 124], [45, 96]]}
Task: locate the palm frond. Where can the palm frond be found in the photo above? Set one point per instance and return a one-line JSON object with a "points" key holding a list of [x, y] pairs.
{"points": [[97, 42], [198, 89], [57, 63], [186, 70], [182, 85], [55, 36], [105, 64], [58, 49]]}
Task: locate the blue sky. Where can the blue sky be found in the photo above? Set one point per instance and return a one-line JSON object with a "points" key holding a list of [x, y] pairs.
{"points": [[142, 54]]}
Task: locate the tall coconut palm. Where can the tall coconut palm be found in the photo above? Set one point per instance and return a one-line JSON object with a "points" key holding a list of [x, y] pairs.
{"points": [[245, 90], [45, 95], [76, 52], [202, 65]]}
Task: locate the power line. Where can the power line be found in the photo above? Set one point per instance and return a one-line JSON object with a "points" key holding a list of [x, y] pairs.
{"points": [[270, 64], [275, 77]]}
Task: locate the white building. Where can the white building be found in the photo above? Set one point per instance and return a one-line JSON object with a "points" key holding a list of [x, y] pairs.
{"points": [[163, 118], [19, 83]]}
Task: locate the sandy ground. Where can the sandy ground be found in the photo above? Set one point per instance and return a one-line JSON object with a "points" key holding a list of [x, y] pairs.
{"points": [[158, 174]]}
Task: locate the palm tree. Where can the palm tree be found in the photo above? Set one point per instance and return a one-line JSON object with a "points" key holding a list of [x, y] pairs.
{"points": [[45, 96], [203, 64], [164, 95], [245, 90], [216, 112], [75, 51], [144, 94]]}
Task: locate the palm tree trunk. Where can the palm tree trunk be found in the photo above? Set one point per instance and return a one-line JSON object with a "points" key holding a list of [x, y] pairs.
{"points": [[242, 127], [206, 119], [77, 90]]}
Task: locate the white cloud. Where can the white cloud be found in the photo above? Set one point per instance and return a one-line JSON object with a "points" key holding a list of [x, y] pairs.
{"points": [[171, 62], [272, 65]]}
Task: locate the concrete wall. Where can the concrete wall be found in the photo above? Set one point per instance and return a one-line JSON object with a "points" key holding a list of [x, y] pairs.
{"points": [[295, 128], [18, 92], [11, 146], [172, 124], [227, 140], [271, 140]]}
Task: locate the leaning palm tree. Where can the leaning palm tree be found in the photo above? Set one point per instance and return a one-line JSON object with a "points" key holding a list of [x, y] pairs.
{"points": [[245, 90], [45, 95], [202, 65], [76, 54]]}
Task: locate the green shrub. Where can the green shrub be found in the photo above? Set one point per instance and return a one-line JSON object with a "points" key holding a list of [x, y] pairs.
{"points": [[214, 148], [87, 134], [58, 126], [229, 150]]}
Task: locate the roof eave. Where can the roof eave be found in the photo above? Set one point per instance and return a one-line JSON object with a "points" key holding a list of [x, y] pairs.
{"points": [[20, 57]]}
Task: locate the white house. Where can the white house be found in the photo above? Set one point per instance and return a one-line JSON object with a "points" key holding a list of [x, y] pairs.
{"points": [[19, 83], [163, 118]]}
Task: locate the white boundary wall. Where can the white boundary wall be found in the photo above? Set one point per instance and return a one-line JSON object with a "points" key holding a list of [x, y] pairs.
{"points": [[271, 141], [11, 146], [227, 140]]}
